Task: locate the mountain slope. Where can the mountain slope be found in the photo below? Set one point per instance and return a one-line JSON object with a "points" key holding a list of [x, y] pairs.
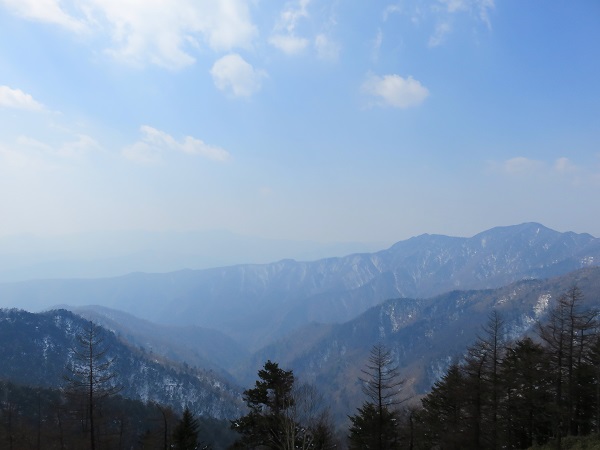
{"points": [[424, 335], [256, 304], [192, 345], [36, 348]]}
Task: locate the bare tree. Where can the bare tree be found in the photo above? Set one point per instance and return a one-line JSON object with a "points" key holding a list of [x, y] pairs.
{"points": [[89, 373], [375, 424]]}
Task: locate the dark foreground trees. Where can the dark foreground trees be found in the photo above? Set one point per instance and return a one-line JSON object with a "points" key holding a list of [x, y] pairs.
{"points": [[523, 393], [282, 415], [185, 434]]}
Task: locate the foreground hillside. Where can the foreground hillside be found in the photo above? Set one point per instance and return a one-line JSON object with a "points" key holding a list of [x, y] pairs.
{"points": [[36, 350], [256, 304]]}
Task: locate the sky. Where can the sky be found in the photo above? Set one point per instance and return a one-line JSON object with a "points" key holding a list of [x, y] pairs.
{"points": [[321, 120]]}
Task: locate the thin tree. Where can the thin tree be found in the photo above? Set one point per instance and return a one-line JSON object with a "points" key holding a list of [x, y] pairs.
{"points": [[567, 336], [89, 373], [375, 424]]}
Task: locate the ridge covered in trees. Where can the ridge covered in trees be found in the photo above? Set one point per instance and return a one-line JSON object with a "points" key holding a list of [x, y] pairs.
{"points": [[538, 389]]}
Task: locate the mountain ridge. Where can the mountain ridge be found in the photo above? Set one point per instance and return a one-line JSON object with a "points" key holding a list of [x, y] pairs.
{"points": [[257, 303]]}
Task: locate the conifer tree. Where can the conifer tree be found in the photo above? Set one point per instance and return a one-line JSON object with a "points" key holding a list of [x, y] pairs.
{"points": [[568, 336], [266, 424], [375, 425], [185, 434]]}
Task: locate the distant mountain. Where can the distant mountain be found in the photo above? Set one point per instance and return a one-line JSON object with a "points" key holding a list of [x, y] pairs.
{"points": [[36, 348], [256, 304], [424, 335], [110, 254]]}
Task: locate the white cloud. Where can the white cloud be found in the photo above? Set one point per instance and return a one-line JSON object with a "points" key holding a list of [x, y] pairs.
{"points": [[73, 149], [28, 154], [441, 31], [561, 170], [160, 32], [482, 7], [521, 165], [446, 14], [83, 145], [393, 90], [154, 143], [288, 44], [233, 74], [391, 9], [564, 165], [377, 45], [16, 98], [327, 49], [48, 11], [15, 158], [478, 8], [284, 36], [291, 14]]}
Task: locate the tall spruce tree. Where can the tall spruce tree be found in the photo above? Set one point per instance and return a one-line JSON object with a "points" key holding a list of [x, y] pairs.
{"points": [[185, 434], [375, 425]]}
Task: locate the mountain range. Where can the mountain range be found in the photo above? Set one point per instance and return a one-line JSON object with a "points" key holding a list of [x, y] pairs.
{"points": [[256, 304], [425, 298]]}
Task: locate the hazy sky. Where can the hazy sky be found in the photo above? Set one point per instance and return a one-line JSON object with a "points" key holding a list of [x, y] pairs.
{"points": [[347, 120]]}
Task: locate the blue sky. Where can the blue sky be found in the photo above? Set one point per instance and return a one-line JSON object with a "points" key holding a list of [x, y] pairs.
{"points": [[343, 120]]}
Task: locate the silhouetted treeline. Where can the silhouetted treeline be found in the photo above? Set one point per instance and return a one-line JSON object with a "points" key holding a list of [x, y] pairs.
{"points": [[40, 419], [536, 390]]}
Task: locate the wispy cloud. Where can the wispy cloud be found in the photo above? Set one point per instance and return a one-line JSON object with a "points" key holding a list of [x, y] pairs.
{"points": [[447, 9], [49, 11], [30, 154], [159, 32], [391, 9], [234, 75], [562, 168], [394, 90], [288, 44], [164, 32], [521, 165], [16, 98], [284, 35], [154, 144], [327, 49], [377, 45], [439, 36], [479, 8]]}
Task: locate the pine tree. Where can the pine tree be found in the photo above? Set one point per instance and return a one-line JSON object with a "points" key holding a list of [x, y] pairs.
{"points": [[267, 423], [444, 414], [185, 434]]}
